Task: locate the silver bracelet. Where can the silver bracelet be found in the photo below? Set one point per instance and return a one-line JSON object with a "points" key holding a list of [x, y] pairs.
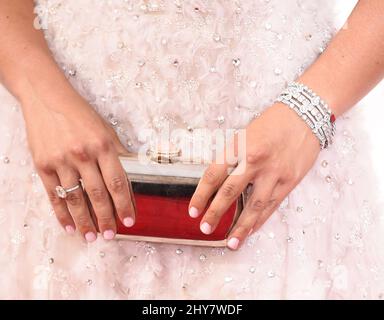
{"points": [[312, 109]]}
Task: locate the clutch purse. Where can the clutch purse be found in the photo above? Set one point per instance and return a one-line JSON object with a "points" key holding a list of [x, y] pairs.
{"points": [[162, 190]]}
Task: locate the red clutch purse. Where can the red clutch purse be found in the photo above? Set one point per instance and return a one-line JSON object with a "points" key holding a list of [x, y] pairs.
{"points": [[162, 192]]}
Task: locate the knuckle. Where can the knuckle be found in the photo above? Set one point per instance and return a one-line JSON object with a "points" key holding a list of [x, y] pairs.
{"points": [[58, 159], [61, 216], [243, 230], [256, 205], [79, 151], [272, 204], [228, 191], [261, 152], [122, 206], [104, 219], [117, 184], [98, 194], [210, 176], [74, 199], [289, 176], [53, 197], [101, 145], [83, 222], [44, 166], [198, 198], [213, 214]]}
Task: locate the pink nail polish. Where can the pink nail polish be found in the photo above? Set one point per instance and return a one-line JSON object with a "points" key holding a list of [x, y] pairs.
{"points": [[108, 235], [250, 232], [90, 236], [70, 229], [233, 243], [206, 228], [128, 222], [193, 212]]}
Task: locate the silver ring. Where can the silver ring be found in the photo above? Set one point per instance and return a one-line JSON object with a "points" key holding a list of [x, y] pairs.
{"points": [[63, 192]]}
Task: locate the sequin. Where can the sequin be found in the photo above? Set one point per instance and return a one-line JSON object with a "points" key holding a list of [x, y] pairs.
{"points": [[277, 71], [324, 163], [236, 62], [202, 257], [132, 258], [253, 84], [220, 119], [113, 121], [179, 251], [216, 37], [72, 72]]}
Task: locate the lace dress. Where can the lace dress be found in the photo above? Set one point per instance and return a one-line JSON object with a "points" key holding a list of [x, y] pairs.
{"points": [[195, 64]]}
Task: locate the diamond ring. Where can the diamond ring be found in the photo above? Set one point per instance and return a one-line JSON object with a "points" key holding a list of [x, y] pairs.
{"points": [[63, 192]]}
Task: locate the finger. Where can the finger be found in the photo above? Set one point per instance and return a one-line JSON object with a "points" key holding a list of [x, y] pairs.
{"points": [[50, 181], [77, 204], [229, 191], [213, 177], [280, 192], [260, 200], [99, 198], [118, 186]]}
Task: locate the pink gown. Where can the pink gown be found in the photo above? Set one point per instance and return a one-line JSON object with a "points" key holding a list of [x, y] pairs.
{"points": [[198, 64]]}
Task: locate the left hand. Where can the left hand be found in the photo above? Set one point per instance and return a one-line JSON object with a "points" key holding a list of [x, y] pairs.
{"points": [[280, 150]]}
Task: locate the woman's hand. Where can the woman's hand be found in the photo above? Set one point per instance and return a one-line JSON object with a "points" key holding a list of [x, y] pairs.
{"points": [[70, 141], [280, 150], [67, 138]]}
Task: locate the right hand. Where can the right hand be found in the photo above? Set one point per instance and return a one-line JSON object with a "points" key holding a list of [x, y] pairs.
{"points": [[69, 141]]}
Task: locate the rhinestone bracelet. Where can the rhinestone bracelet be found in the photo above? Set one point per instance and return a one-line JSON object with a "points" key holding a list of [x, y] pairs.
{"points": [[312, 109]]}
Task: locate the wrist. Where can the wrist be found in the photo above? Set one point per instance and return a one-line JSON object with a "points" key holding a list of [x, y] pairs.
{"points": [[38, 79], [312, 110]]}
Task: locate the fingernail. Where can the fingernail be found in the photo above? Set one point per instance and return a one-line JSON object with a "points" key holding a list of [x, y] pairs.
{"points": [[90, 236], [233, 243], [108, 235], [206, 228], [128, 222], [250, 232], [70, 229], [193, 212]]}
